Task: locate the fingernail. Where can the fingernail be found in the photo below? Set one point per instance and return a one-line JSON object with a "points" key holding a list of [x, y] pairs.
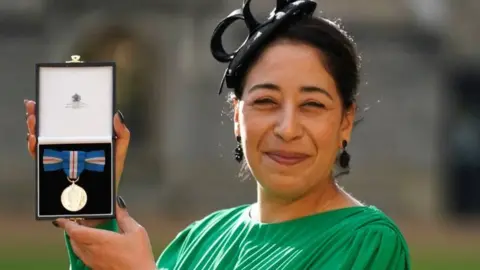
{"points": [[120, 114], [25, 101], [55, 223], [121, 202]]}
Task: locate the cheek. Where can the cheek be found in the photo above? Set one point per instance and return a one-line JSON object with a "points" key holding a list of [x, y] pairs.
{"points": [[325, 134], [253, 128]]}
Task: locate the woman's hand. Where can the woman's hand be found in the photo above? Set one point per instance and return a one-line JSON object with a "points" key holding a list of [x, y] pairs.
{"points": [[121, 145], [102, 250]]}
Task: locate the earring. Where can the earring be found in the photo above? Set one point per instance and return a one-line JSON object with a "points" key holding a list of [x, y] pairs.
{"points": [[238, 152], [344, 158]]}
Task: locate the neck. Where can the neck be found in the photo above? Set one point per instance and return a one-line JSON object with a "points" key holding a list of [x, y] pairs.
{"points": [[273, 209]]}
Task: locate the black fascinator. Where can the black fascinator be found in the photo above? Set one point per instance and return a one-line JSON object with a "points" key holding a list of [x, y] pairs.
{"points": [[284, 14]]}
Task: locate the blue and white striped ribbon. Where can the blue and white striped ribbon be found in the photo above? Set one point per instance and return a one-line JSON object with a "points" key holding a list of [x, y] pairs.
{"points": [[73, 162]]}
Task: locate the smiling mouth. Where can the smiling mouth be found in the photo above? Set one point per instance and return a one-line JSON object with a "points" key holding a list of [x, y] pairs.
{"points": [[287, 158]]}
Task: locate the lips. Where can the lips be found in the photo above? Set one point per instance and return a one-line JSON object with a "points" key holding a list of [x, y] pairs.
{"points": [[286, 158]]}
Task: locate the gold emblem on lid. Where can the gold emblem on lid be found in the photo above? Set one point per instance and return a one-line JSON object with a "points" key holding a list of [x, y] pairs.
{"points": [[75, 59]]}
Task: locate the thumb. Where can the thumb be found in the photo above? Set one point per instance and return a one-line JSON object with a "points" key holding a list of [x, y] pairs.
{"points": [[122, 141], [123, 135], [125, 222]]}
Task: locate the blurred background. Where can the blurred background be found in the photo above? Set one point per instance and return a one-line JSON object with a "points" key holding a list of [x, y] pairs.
{"points": [[416, 155]]}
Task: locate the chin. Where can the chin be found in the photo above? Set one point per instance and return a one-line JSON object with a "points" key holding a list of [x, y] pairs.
{"points": [[285, 181], [284, 186]]}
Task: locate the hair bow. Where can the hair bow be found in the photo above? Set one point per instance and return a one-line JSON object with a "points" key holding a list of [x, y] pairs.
{"points": [[285, 13]]}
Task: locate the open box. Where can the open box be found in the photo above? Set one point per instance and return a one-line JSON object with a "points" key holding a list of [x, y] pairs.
{"points": [[74, 165]]}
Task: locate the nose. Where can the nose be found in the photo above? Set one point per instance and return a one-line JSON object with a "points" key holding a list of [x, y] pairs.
{"points": [[288, 126]]}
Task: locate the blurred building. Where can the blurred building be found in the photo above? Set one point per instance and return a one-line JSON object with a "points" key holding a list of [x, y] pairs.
{"points": [[181, 160]]}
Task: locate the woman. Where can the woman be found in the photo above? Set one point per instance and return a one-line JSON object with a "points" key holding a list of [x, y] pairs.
{"points": [[295, 82]]}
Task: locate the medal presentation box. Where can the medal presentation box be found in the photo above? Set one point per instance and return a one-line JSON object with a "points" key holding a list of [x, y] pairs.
{"points": [[75, 169]]}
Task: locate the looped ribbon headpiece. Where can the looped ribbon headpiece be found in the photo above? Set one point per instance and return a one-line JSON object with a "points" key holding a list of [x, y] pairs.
{"points": [[73, 162], [285, 13]]}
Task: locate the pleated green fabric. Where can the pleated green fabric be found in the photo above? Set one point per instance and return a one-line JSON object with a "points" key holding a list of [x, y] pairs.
{"points": [[360, 237]]}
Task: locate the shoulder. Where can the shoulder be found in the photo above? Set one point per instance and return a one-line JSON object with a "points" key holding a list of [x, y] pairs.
{"points": [[379, 240], [372, 223], [373, 219]]}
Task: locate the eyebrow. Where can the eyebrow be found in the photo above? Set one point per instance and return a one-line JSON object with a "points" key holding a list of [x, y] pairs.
{"points": [[307, 89]]}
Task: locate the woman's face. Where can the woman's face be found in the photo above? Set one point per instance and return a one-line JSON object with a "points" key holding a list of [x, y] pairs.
{"points": [[290, 120]]}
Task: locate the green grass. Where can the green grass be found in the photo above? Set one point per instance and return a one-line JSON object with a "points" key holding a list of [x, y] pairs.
{"points": [[450, 262], [33, 257]]}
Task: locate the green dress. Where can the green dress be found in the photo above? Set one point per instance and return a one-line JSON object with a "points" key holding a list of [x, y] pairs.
{"points": [[360, 237]]}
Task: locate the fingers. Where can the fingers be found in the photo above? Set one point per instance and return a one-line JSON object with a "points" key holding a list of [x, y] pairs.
{"points": [[121, 130], [125, 222], [30, 116], [81, 253], [31, 139], [30, 106], [71, 228], [31, 122], [122, 142], [31, 145], [82, 234]]}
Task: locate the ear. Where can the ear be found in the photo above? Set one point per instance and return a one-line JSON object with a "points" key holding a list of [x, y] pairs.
{"points": [[236, 116], [347, 124]]}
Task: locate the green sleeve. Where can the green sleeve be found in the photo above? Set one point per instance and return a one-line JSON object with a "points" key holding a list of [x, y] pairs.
{"points": [[75, 262], [171, 257], [372, 248]]}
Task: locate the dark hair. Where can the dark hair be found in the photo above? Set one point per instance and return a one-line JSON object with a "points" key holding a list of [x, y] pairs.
{"points": [[336, 46]]}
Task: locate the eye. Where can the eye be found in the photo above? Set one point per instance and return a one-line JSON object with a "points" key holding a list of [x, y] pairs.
{"points": [[314, 104], [264, 101]]}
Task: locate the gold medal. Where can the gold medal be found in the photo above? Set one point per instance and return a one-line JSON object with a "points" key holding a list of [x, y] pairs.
{"points": [[74, 197]]}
